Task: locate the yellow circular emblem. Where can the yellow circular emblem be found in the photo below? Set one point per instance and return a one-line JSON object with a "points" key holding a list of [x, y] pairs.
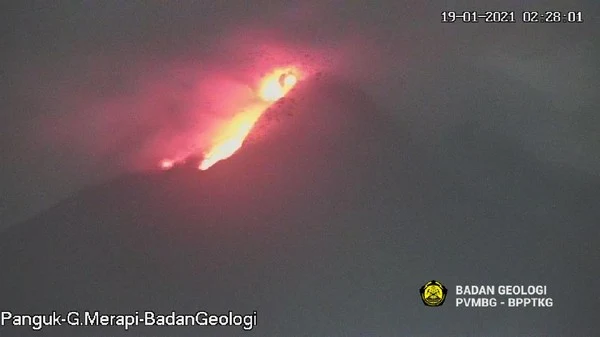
{"points": [[433, 293]]}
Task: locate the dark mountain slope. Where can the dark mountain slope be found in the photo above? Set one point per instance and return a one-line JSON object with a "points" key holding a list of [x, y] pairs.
{"points": [[256, 231], [326, 222]]}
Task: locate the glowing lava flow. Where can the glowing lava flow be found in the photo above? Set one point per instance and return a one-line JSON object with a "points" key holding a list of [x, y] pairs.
{"points": [[273, 87], [232, 137]]}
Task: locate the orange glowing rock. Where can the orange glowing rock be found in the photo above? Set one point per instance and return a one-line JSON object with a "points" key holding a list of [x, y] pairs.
{"points": [[272, 87], [166, 164]]}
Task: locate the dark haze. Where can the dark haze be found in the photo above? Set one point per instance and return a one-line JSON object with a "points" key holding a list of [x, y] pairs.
{"points": [[89, 87]]}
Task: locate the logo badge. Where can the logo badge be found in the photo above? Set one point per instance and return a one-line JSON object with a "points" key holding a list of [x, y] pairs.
{"points": [[433, 293]]}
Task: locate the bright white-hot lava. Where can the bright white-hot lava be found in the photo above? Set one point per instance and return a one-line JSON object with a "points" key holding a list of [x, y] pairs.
{"points": [[276, 85], [230, 138]]}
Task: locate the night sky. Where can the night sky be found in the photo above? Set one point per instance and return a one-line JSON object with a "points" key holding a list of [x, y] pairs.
{"points": [[461, 152]]}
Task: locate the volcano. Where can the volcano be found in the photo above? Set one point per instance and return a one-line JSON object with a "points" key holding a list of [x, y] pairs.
{"points": [[325, 223]]}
